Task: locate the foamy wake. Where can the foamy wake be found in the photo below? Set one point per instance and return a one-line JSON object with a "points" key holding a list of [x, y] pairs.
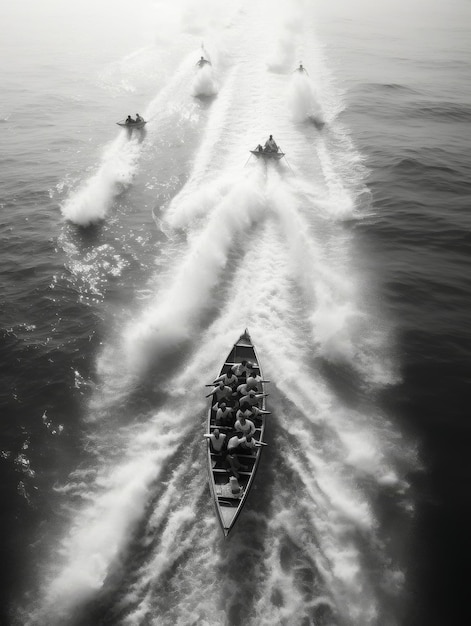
{"points": [[112, 504], [91, 202], [303, 100], [205, 83], [172, 316]]}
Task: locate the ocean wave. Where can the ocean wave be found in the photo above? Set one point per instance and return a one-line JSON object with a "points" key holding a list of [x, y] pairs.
{"points": [[452, 111], [396, 87]]}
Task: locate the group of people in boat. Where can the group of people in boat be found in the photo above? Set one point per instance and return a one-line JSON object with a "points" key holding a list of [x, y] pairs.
{"points": [[270, 145], [138, 120], [237, 395]]}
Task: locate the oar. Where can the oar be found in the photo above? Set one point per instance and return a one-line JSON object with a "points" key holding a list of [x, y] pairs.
{"points": [[292, 172], [217, 385]]}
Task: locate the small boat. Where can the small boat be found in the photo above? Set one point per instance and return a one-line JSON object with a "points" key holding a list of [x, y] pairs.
{"points": [[125, 124], [276, 156], [227, 504]]}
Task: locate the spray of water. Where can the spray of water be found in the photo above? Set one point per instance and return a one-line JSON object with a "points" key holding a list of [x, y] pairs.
{"points": [[112, 503], [205, 83], [92, 201], [303, 100], [189, 293]]}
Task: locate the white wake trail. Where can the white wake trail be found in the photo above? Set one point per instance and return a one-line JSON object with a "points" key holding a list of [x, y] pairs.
{"points": [[172, 316], [92, 201], [112, 504]]}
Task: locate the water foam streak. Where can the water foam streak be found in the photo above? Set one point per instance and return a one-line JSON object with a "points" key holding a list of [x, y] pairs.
{"points": [[91, 202]]}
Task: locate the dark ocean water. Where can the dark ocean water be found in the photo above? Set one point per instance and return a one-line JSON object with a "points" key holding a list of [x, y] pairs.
{"points": [[131, 263]]}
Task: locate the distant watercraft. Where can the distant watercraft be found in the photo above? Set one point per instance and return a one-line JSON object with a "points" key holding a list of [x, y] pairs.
{"points": [[228, 498], [202, 62], [132, 124], [267, 154]]}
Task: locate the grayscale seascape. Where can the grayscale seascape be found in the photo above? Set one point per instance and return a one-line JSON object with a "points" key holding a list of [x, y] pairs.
{"points": [[132, 260]]}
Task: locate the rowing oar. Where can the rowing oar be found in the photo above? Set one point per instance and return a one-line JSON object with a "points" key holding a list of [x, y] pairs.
{"points": [[259, 381], [292, 172], [248, 159]]}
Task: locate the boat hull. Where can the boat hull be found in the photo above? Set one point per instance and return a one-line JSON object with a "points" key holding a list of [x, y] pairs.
{"points": [[227, 506], [267, 156], [132, 125]]}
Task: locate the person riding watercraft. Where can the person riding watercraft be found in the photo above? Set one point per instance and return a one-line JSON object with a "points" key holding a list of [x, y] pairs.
{"points": [[129, 120], [224, 415], [139, 118], [217, 441], [229, 379], [203, 62], [270, 145], [221, 391], [245, 426]]}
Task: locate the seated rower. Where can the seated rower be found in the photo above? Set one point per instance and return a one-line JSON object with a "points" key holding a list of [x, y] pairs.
{"points": [[234, 442], [129, 120], [254, 380], [229, 378], [216, 440], [256, 412], [139, 118], [224, 415], [240, 369], [218, 403], [301, 69], [220, 391], [245, 410], [247, 387], [270, 145], [245, 426], [252, 398], [243, 390], [250, 444]]}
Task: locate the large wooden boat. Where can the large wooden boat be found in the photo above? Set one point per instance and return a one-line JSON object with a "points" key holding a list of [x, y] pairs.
{"points": [[228, 505]]}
